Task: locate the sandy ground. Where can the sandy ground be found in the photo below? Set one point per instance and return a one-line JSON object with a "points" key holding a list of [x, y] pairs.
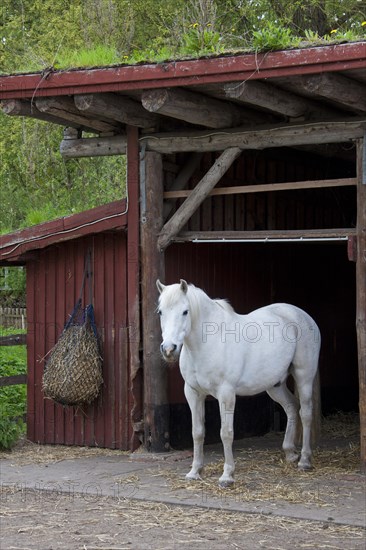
{"points": [[77, 498], [40, 521]]}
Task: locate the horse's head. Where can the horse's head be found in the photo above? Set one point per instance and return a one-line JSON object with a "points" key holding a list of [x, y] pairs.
{"points": [[175, 319]]}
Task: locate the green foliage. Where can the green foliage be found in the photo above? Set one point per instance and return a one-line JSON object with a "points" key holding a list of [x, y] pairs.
{"points": [[273, 37], [92, 57], [12, 398], [12, 286], [200, 41], [36, 184]]}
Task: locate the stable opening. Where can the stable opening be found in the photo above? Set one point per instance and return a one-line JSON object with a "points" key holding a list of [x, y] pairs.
{"points": [[317, 277]]}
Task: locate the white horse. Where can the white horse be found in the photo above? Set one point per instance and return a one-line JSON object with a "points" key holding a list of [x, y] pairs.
{"points": [[224, 354]]}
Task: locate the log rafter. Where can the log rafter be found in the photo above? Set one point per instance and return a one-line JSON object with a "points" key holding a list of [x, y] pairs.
{"points": [[274, 99], [118, 107], [19, 107], [346, 92], [64, 108], [196, 108]]}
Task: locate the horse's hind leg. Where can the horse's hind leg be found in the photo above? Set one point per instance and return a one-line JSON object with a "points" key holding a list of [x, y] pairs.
{"points": [[306, 415], [282, 395]]}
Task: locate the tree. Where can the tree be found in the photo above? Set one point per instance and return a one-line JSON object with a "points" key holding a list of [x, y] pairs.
{"points": [[36, 183]]}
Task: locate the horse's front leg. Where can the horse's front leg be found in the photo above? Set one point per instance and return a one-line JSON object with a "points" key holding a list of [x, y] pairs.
{"points": [[227, 406], [196, 402]]}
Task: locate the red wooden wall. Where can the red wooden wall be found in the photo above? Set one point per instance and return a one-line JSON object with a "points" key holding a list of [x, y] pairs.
{"points": [[54, 278]]}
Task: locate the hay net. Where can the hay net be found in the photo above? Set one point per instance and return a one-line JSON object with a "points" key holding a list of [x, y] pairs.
{"points": [[73, 372]]}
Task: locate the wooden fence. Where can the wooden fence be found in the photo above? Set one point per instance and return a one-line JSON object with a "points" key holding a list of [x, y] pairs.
{"points": [[13, 340], [15, 317]]}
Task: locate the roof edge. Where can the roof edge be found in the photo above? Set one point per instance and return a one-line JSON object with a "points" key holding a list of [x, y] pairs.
{"points": [[108, 217], [177, 73]]}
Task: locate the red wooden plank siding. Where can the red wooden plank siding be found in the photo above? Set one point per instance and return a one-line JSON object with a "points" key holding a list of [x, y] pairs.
{"points": [[81, 250], [50, 336], [31, 351], [122, 423], [54, 280], [60, 317], [40, 350]]}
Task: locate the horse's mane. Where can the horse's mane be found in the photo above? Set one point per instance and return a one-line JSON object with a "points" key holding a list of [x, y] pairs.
{"points": [[196, 295]]}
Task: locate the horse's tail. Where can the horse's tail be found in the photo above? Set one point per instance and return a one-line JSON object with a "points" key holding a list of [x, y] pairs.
{"points": [[317, 414]]}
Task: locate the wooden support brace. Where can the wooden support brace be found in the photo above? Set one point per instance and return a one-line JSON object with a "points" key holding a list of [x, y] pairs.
{"points": [[181, 180], [198, 195]]}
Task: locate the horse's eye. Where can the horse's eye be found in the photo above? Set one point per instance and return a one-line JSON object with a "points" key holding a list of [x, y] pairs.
{"points": [[160, 312], [185, 312]]}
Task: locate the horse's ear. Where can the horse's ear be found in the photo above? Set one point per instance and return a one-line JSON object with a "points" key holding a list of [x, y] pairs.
{"points": [[183, 285], [160, 286]]}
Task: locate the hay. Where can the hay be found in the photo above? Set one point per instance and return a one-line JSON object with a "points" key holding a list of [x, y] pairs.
{"points": [[33, 453], [73, 374], [160, 525], [264, 475], [341, 424]]}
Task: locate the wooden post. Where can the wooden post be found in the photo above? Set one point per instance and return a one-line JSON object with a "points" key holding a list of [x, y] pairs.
{"points": [[133, 262], [156, 415], [361, 291]]}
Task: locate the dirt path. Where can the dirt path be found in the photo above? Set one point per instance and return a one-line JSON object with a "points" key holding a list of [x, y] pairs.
{"points": [[41, 521]]}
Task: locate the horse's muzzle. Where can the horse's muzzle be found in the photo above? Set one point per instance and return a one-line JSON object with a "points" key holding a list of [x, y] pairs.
{"points": [[169, 352]]}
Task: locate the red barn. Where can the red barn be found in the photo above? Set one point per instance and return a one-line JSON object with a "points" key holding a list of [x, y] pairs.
{"points": [[271, 151]]}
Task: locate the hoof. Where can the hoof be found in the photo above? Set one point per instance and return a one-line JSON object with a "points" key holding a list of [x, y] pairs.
{"points": [[193, 477], [304, 467], [226, 483], [291, 458]]}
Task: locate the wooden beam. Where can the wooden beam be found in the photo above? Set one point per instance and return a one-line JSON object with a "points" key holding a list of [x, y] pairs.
{"points": [[194, 108], [361, 292], [344, 91], [280, 135], [13, 340], [267, 187], [156, 403], [14, 380], [93, 147], [264, 235], [181, 180], [276, 100], [19, 107], [116, 107], [64, 107], [198, 195]]}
